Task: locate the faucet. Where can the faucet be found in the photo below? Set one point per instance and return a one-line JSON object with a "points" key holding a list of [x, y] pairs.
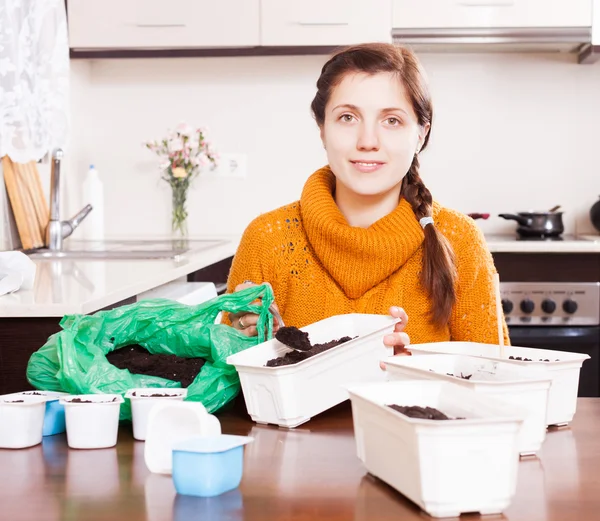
{"points": [[58, 230]]}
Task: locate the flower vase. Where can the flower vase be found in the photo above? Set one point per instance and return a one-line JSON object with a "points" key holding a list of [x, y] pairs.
{"points": [[179, 212]]}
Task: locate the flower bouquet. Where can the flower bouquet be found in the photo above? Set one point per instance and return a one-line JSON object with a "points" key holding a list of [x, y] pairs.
{"points": [[182, 154]]}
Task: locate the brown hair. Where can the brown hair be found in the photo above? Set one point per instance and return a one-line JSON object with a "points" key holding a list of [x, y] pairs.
{"points": [[438, 275]]}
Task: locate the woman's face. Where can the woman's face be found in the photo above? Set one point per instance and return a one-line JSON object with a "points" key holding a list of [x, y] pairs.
{"points": [[371, 133]]}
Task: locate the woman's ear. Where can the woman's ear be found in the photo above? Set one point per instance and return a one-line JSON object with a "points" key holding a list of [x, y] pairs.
{"points": [[424, 131]]}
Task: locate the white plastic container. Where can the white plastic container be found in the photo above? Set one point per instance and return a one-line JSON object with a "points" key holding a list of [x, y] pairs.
{"points": [[524, 394], [54, 420], [563, 369], [92, 425], [446, 467], [291, 395], [142, 402], [93, 193], [172, 422], [21, 420]]}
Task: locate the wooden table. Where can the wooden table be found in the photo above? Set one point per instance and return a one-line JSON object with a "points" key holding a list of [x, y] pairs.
{"points": [[310, 473]]}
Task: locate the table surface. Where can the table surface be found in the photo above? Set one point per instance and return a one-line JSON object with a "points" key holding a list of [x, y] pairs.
{"points": [[308, 473]]}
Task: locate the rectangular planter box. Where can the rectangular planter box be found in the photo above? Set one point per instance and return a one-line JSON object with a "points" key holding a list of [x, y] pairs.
{"points": [[447, 467], [507, 382], [564, 373], [291, 395]]}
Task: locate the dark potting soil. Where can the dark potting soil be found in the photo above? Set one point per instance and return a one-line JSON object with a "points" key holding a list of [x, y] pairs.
{"points": [[529, 359], [139, 361], [424, 413], [33, 393], [293, 357], [79, 400], [463, 376], [154, 395], [14, 401]]}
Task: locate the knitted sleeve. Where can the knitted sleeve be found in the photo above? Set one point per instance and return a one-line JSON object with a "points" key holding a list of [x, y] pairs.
{"points": [[474, 316], [250, 261]]}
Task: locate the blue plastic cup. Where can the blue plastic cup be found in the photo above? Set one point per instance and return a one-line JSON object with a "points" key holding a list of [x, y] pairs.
{"points": [[210, 466]]}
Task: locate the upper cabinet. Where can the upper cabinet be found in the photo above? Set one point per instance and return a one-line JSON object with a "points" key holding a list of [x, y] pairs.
{"points": [[454, 14], [161, 24], [324, 22]]}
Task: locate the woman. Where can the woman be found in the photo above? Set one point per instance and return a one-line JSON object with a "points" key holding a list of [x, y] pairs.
{"points": [[366, 235]]}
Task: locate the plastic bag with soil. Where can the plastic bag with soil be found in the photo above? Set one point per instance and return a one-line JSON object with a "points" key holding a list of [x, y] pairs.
{"points": [[74, 360]]}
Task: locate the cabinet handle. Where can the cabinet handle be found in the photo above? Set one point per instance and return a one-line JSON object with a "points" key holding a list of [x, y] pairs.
{"points": [[152, 26], [487, 3], [322, 24]]}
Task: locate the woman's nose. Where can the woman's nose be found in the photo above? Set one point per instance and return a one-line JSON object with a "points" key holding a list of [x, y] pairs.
{"points": [[367, 138]]}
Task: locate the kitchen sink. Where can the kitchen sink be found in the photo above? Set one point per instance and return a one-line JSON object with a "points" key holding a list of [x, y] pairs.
{"points": [[124, 249]]}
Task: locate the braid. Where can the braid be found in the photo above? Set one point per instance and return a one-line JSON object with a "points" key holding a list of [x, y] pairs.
{"points": [[438, 275]]}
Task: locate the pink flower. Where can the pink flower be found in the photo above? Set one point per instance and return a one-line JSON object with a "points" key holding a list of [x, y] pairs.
{"points": [[185, 130]]}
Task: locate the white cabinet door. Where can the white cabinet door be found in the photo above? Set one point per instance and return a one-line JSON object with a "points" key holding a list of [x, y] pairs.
{"points": [[162, 24], [325, 22], [425, 14]]}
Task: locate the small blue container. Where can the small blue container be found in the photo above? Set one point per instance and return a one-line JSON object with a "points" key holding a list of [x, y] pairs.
{"points": [[209, 466], [54, 420]]}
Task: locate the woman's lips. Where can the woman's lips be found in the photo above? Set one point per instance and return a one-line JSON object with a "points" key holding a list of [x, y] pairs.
{"points": [[367, 166]]}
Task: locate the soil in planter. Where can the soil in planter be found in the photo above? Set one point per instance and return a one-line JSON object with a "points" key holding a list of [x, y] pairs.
{"points": [[463, 376], [154, 395], [14, 401], [521, 359], [293, 357], [423, 413], [79, 400], [139, 361]]}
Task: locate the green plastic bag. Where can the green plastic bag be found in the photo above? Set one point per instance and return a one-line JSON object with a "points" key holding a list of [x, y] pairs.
{"points": [[74, 359]]}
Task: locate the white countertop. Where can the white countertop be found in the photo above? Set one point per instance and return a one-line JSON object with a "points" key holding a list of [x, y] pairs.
{"points": [[76, 286], [568, 244]]}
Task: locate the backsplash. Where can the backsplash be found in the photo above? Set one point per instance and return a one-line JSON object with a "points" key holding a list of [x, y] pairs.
{"points": [[512, 132]]}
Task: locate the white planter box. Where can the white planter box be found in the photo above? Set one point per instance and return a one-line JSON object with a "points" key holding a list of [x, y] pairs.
{"points": [[564, 373], [291, 395], [446, 467], [506, 382]]}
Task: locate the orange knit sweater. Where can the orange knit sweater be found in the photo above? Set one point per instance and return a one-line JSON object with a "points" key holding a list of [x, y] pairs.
{"points": [[320, 266]]}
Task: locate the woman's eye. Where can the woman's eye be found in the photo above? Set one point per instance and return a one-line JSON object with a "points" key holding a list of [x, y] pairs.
{"points": [[347, 118], [393, 121]]}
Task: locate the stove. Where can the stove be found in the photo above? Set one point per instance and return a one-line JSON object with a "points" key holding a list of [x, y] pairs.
{"points": [[562, 316], [551, 303]]}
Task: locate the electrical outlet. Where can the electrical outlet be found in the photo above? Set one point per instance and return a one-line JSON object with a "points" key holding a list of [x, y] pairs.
{"points": [[230, 165]]}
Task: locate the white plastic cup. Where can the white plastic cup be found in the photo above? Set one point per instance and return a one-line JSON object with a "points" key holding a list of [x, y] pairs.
{"points": [[93, 425], [142, 402], [21, 420]]}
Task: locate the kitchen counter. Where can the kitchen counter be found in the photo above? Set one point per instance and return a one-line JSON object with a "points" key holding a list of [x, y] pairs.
{"points": [[569, 244], [311, 472], [69, 286]]}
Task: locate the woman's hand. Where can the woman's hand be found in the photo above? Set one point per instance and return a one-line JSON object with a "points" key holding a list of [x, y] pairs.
{"points": [[398, 339], [245, 322]]}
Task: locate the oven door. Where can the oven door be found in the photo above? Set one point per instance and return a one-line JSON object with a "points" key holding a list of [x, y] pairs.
{"points": [[571, 339]]}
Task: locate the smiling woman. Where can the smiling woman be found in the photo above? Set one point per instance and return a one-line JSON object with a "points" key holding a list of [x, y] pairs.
{"points": [[366, 235]]}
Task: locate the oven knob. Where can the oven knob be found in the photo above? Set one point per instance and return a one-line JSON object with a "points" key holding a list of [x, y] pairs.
{"points": [[548, 306], [507, 305], [527, 306], [569, 306]]}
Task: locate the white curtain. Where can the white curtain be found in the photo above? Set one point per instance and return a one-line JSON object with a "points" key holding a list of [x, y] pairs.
{"points": [[34, 78]]}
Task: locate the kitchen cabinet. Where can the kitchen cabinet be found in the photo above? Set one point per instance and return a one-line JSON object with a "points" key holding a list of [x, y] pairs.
{"points": [[324, 22], [454, 14], [158, 24]]}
